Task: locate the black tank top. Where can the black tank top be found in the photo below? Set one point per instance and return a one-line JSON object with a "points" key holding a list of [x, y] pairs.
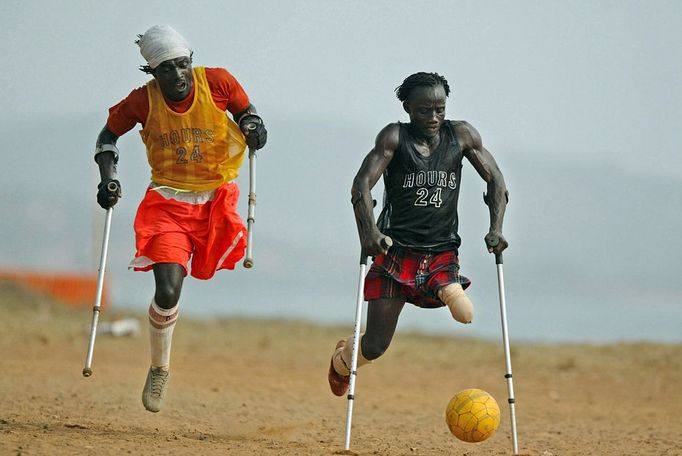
{"points": [[421, 193]]}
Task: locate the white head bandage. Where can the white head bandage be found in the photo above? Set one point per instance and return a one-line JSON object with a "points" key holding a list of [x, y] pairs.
{"points": [[161, 43]]}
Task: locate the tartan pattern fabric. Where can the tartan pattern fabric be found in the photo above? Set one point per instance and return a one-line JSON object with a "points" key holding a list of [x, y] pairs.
{"points": [[414, 275]]}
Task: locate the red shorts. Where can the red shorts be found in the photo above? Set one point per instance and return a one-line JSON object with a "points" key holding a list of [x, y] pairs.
{"points": [[172, 227], [414, 275]]}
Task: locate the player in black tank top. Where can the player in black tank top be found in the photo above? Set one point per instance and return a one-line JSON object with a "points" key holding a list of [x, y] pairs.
{"points": [[420, 209], [421, 162]]}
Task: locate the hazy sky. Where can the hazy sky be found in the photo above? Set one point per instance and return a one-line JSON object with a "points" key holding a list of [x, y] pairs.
{"points": [[580, 103]]}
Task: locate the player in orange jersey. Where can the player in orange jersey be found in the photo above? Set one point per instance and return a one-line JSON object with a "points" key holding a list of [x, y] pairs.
{"points": [[194, 151]]}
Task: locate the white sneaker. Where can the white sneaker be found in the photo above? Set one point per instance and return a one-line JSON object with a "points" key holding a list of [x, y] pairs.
{"points": [[155, 388]]}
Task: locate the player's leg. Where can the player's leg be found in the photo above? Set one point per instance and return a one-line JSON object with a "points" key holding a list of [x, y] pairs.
{"points": [[168, 278], [163, 310], [382, 319], [163, 314], [449, 285], [458, 302]]}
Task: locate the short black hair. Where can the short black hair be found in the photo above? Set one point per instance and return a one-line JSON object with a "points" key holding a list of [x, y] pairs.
{"points": [[420, 79]]}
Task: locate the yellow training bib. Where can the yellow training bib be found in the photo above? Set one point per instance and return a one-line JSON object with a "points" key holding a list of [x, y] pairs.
{"points": [[195, 150]]}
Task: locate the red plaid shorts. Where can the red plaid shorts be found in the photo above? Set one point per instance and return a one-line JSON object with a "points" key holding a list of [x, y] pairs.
{"points": [[414, 275]]}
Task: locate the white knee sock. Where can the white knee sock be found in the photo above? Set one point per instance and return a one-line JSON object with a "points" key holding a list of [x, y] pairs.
{"points": [[161, 325]]}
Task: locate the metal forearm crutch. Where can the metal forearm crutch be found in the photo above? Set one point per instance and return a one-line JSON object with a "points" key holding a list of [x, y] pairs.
{"points": [[251, 218], [386, 243], [87, 370], [507, 354]]}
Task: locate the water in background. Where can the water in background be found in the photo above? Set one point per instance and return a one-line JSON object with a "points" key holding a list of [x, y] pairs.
{"points": [[590, 257], [531, 317], [593, 254]]}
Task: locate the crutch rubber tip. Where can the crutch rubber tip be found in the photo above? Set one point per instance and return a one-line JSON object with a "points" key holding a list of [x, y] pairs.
{"points": [[87, 372], [248, 264]]}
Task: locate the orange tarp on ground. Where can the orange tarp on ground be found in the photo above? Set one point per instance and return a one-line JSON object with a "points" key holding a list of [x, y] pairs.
{"points": [[77, 290]]}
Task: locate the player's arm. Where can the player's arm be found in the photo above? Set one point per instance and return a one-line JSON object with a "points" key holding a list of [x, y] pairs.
{"points": [[497, 196], [226, 89], [123, 117], [373, 166], [250, 110], [106, 156]]}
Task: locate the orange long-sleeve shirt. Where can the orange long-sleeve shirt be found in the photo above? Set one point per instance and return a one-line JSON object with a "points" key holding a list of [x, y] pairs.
{"points": [[226, 92]]}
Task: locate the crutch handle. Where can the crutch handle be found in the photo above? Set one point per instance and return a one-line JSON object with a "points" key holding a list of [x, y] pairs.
{"points": [[113, 187], [250, 126], [386, 243], [493, 241]]}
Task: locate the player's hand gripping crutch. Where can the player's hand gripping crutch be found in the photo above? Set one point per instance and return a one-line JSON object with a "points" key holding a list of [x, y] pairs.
{"points": [[386, 242], [112, 187], [505, 340], [251, 217]]}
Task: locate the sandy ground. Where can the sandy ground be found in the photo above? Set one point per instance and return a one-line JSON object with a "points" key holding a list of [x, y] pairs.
{"points": [[242, 387]]}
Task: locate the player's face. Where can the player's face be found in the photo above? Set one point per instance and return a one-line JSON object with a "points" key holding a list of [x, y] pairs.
{"points": [[175, 78], [426, 108]]}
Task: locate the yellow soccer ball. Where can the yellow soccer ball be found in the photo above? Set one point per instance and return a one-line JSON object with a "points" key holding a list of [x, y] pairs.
{"points": [[472, 415]]}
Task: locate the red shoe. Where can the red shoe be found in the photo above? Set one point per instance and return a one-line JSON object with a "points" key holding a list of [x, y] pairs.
{"points": [[337, 382]]}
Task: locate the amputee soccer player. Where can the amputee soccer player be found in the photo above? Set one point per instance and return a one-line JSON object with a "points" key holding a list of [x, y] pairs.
{"points": [[421, 162], [187, 221]]}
